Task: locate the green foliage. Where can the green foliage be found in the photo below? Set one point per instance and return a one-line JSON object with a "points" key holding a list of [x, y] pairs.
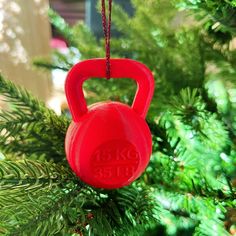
{"points": [[33, 196], [188, 187], [219, 16], [127, 211], [28, 128], [204, 211]]}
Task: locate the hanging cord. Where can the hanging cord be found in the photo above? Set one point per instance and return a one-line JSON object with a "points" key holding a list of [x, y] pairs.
{"points": [[107, 34]]}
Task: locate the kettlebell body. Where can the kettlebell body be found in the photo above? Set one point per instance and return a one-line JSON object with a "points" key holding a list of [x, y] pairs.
{"points": [[108, 145]]}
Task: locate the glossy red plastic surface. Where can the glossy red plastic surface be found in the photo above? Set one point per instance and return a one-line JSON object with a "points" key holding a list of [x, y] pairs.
{"points": [[108, 145]]}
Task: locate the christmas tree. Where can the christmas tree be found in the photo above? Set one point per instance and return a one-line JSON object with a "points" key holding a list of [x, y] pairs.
{"points": [[188, 187]]}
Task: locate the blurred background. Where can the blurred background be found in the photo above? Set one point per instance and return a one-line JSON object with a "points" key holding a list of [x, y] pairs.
{"points": [[26, 33]]}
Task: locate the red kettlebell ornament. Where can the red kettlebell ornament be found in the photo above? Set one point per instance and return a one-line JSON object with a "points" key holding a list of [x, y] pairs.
{"points": [[108, 144]]}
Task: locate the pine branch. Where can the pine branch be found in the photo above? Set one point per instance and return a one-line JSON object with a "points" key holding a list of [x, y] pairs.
{"points": [[19, 97], [42, 63], [27, 175], [30, 128], [120, 212], [160, 139], [39, 215], [33, 196], [196, 205], [11, 123], [177, 157], [202, 210], [59, 60], [166, 171]]}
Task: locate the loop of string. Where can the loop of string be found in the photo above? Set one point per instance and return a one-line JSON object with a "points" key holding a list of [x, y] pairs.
{"points": [[107, 34]]}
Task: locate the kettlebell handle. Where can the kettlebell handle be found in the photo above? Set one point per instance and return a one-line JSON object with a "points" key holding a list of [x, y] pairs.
{"points": [[120, 68]]}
